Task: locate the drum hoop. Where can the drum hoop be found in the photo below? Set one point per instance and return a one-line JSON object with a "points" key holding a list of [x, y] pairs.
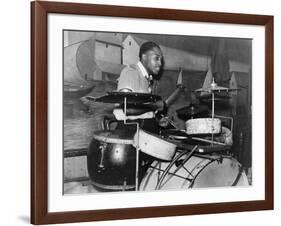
{"points": [[149, 172], [112, 187], [112, 139], [157, 136], [196, 175]]}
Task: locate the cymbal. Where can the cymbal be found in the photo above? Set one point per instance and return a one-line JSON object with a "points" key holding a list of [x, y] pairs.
{"points": [[192, 111], [131, 98], [216, 89], [218, 98], [213, 87]]}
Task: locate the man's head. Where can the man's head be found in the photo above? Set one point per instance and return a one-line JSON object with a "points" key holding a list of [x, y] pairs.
{"points": [[151, 57]]}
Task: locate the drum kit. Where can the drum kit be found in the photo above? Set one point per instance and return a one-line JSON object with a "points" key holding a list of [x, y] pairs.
{"points": [[199, 156]]}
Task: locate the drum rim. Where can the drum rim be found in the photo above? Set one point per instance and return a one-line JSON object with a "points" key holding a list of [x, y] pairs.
{"points": [[112, 187], [172, 137], [212, 161], [203, 119], [113, 140], [158, 136], [195, 177]]}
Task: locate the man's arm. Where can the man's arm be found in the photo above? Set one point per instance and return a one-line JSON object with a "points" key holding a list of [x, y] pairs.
{"points": [[128, 80]]}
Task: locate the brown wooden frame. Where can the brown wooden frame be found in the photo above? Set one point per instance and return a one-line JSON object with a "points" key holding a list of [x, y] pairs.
{"points": [[39, 107]]}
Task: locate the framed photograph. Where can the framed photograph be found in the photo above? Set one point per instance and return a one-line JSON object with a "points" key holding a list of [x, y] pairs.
{"points": [[148, 112]]}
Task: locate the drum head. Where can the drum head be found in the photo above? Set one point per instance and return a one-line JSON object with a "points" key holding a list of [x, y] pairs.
{"points": [[196, 172], [218, 173]]}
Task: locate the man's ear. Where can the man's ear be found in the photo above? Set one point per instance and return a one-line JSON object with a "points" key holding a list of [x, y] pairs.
{"points": [[143, 57]]}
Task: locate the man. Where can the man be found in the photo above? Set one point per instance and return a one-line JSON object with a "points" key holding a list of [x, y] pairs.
{"points": [[140, 78]]}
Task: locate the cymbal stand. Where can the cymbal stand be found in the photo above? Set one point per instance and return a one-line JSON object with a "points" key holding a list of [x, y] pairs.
{"points": [[213, 84], [136, 145]]}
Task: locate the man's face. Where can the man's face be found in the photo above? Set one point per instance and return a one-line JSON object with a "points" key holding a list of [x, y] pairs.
{"points": [[152, 61]]}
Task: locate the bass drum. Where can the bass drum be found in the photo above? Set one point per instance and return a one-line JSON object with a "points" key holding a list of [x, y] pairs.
{"points": [[200, 171], [111, 160]]}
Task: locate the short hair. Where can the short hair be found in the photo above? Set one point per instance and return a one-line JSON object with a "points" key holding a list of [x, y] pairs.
{"points": [[146, 47]]}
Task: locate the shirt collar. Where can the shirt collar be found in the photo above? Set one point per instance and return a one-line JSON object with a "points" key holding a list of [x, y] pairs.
{"points": [[144, 71]]}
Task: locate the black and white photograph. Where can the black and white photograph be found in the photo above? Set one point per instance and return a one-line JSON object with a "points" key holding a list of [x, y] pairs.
{"points": [[143, 112], [149, 112]]}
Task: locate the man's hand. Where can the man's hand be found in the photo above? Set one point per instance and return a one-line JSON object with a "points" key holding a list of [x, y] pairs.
{"points": [[164, 122], [160, 105]]}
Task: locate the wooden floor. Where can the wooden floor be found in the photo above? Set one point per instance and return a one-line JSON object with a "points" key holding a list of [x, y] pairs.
{"points": [[79, 187]]}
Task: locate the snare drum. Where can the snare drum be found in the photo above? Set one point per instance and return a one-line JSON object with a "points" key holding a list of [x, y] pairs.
{"points": [[196, 172]]}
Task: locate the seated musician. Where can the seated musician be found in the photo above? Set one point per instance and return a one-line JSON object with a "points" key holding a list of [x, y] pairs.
{"points": [[140, 78]]}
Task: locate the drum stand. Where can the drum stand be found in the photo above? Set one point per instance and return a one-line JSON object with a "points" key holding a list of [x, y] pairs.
{"points": [[212, 142], [213, 84], [213, 109], [136, 144]]}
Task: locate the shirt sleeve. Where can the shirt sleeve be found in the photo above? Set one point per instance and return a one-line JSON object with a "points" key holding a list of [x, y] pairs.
{"points": [[128, 80], [120, 115]]}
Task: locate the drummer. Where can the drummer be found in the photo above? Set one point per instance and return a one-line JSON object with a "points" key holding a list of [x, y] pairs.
{"points": [[141, 78]]}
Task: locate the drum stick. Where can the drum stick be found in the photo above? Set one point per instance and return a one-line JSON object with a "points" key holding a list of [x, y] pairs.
{"points": [[213, 113], [207, 141], [179, 88], [170, 99], [172, 123]]}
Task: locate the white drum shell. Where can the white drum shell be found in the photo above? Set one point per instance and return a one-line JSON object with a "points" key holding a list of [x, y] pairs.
{"points": [[203, 126], [155, 146]]}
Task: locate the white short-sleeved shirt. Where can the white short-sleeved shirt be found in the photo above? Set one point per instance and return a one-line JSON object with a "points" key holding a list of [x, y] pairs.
{"points": [[134, 78]]}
